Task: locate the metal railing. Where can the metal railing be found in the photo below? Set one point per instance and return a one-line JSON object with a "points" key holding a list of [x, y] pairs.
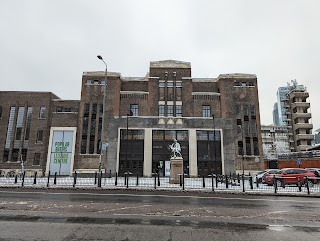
{"points": [[208, 183]]}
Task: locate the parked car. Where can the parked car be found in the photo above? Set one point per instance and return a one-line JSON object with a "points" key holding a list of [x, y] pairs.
{"points": [[267, 173], [290, 176], [260, 175], [316, 171]]}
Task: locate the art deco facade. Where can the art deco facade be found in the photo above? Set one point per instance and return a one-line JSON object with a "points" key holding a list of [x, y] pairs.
{"points": [[142, 116]]}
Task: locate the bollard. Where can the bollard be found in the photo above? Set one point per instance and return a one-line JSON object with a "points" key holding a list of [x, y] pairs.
{"points": [[307, 184], [137, 179], [299, 184], [110, 174], [95, 178], [180, 180], [125, 178], [16, 179], [48, 179], [238, 177], [75, 179], [275, 184], [257, 181], [116, 180], [203, 181], [243, 189], [155, 181], [251, 182], [227, 182], [35, 178], [23, 175], [55, 178]]}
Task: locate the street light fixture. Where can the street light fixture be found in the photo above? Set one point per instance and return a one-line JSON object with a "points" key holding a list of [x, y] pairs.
{"points": [[130, 114], [103, 114]]}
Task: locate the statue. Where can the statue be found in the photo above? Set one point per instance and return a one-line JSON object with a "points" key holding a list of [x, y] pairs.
{"points": [[175, 149]]}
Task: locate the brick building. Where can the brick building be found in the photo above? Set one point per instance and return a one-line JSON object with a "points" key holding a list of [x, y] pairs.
{"points": [[143, 115]]}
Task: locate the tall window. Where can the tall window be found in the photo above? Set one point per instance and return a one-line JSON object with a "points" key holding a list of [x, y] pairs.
{"points": [[10, 126], [162, 85], [135, 109], [178, 110], [39, 135], [169, 110], [36, 159], [161, 110], [178, 90], [28, 123], [206, 111], [42, 113], [170, 90]]}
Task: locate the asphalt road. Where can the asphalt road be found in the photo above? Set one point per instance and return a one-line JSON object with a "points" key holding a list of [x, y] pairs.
{"points": [[27, 214]]}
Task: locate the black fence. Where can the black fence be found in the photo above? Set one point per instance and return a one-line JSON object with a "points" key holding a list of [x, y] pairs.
{"points": [[223, 183]]}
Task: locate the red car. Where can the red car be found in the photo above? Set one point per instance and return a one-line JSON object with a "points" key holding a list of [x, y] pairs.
{"points": [[290, 176]]}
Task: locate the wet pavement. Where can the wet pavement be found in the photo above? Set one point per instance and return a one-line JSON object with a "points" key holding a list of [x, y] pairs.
{"points": [[56, 214]]}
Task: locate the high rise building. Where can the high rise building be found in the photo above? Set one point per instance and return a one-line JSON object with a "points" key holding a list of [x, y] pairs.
{"points": [[279, 119], [298, 118]]}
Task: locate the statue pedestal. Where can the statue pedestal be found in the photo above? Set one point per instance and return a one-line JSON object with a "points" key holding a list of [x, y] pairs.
{"points": [[176, 169]]}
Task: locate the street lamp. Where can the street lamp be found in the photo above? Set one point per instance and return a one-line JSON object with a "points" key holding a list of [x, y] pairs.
{"points": [[214, 145], [130, 114], [103, 114]]}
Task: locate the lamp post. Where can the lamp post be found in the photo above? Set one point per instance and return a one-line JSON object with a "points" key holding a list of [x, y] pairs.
{"points": [[214, 145], [103, 114], [130, 114]]}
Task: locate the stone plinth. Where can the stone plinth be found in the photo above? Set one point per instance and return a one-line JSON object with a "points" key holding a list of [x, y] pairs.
{"points": [[176, 169]]}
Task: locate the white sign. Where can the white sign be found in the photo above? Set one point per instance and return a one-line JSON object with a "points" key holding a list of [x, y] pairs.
{"points": [[61, 152]]}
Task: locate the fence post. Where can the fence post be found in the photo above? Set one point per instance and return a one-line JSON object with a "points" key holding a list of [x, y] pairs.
{"points": [[212, 184], [307, 184], [227, 182], [55, 178], [100, 179], [216, 176], [23, 175], [243, 189], [203, 181], [75, 179], [183, 181], [299, 184], [158, 178], [275, 184], [48, 179], [35, 178], [116, 180], [251, 182], [137, 179], [128, 179]]}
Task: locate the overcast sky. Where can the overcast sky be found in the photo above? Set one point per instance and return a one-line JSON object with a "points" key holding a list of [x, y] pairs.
{"points": [[46, 45]]}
